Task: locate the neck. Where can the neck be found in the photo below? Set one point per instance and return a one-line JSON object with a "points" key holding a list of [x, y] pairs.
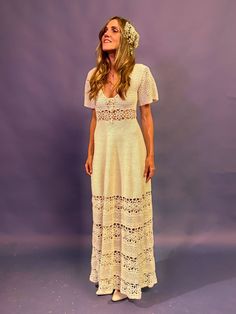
{"points": [[112, 56]]}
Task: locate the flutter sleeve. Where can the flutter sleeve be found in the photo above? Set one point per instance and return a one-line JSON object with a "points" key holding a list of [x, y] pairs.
{"points": [[87, 102], [147, 91]]}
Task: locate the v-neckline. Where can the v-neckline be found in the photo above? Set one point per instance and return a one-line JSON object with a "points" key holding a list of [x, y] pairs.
{"points": [[109, 97], [117, 93]]}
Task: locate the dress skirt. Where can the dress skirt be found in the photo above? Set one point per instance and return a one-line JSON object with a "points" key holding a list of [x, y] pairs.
{"points": [[122, 232]]}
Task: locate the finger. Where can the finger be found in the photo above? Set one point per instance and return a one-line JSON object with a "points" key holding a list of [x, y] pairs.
{"points": [[87, 168], [150, 174], [145, 171], [91, 168], [147, 175], [148, 178]]}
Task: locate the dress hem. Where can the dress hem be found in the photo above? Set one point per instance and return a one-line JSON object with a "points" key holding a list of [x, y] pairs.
{"points": [[131, 297]]}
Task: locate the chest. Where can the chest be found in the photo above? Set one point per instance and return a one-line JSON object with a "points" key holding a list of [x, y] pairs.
{"points": [[107, 98], [110, 87]]}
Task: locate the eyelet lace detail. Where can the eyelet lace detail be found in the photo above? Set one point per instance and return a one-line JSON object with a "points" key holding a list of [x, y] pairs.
{"points": [[122, 244], [115, 114]]}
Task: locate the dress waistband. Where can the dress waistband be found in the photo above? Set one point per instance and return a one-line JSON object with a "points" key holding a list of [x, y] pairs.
{"points": [[115, 114]]}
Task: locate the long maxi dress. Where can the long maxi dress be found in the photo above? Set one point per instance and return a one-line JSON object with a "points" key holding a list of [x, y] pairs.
{"points": [[122, 233]]}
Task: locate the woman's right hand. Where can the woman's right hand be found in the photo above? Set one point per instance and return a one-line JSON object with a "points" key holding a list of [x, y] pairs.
{"points": [[89, 165]]}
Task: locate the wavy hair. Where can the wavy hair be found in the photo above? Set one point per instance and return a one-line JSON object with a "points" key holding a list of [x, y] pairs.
{"points": [[123, 64]]}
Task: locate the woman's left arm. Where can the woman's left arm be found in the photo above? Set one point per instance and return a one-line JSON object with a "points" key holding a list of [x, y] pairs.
{"points": [[148, 133]]}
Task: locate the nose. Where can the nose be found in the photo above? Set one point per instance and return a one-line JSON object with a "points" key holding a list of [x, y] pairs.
{"points": [[106, 33]]}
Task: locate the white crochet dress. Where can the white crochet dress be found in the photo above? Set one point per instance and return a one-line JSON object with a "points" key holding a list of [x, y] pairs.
{"points": [[122, 238]]}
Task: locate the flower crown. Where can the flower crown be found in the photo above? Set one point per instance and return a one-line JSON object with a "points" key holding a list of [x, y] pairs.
{"points": [[131, 35]]}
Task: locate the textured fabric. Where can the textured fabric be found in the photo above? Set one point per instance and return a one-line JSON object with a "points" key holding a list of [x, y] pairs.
{"points": [[122, 238]]}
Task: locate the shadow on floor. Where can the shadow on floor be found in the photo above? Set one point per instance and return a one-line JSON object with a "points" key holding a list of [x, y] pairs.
{"points": [[39, 273], [186, 270]]}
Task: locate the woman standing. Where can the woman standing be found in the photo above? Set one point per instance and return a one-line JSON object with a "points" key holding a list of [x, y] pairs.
{"points": [[121, 163]]}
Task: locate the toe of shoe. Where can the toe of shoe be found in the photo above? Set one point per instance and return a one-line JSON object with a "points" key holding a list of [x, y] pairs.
{"points": [[118, 297]]}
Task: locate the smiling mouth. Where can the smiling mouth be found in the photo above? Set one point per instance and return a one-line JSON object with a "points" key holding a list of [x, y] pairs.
{"points": [[106, 41]]}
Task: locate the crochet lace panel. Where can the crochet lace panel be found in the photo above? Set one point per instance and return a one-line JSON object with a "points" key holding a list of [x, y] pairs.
{"points": [[116, 114], [122, 244]]}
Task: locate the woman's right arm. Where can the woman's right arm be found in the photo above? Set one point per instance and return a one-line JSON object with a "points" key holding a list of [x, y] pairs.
{"points": [[89, 161]]}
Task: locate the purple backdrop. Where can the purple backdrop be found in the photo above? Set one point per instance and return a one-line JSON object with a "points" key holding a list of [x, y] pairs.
{"points": [[47, 47]]}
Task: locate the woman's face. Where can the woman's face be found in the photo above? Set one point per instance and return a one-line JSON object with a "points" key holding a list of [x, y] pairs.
{"points": [[111, 37]]}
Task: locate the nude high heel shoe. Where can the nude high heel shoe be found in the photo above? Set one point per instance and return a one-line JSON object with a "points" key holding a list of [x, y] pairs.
{"points": [[100, 293], [118, 296]]}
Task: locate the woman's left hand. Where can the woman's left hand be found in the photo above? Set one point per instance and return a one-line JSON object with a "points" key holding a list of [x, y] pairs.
{"points": [[149, 168]]}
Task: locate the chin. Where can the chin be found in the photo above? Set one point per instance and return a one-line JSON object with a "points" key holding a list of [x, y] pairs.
{"points": [[109, 49]]}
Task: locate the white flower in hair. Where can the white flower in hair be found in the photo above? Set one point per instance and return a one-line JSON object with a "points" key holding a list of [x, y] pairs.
{"points": [[131, 35]]}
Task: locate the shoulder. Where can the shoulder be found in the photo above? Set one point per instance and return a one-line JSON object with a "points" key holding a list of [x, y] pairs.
{"points": [[142, 70], [90, 73], [141, 67]]}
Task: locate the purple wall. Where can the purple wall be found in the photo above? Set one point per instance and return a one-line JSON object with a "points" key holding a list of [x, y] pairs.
{"points": [[47, 47]]}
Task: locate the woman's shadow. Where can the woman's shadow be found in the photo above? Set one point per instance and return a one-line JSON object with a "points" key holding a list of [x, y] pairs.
{"points": [[186, 270]]}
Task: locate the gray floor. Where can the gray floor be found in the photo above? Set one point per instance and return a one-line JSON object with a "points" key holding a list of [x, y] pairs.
{"points": [[199, 280]]}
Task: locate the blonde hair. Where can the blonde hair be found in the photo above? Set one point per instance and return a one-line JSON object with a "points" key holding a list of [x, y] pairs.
{"points": [[124, 63]]}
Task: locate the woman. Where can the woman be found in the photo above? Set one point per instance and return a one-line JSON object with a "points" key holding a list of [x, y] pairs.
{"points": [[121, 163]]}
